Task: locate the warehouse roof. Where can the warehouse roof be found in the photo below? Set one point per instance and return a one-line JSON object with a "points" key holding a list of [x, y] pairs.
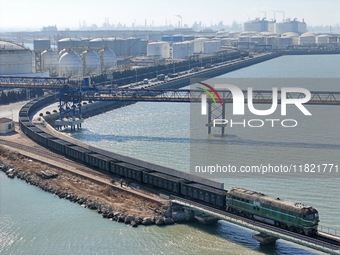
{"points": [[5, 120]]}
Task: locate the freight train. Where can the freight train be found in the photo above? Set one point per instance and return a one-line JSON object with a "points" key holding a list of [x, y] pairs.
{"points": [[275, 211]]}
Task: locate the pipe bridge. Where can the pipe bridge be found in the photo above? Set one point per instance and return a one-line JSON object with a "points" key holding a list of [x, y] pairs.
{"points": [[216, 109], [13, 82]]}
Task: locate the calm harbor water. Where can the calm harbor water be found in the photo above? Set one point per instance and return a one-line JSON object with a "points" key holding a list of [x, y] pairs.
{"points": [[34, 222]]}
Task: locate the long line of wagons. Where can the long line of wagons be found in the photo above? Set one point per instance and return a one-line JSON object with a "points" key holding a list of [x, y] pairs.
{"points": [[281, 213]]}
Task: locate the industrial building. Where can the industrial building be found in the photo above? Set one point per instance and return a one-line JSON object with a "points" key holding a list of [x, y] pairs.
{"points": [[289, 25], [6, 126], [259, 25], [14, 59]]}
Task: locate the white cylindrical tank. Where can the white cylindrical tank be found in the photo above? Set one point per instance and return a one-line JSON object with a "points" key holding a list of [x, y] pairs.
{"points": [[226, 41], [98, 43], [199, 44], [182, 50], [322, 39], [14, 59], [70, 65], [71, 43], [234, 34], [258, 39], [108, 59], [222, 34], [294, 37], [284, 42], [307, 39], [210, 47], [91, 61], [49, 61], [268, 34], [249, 33], [244, 38], [160, 49], [273, 41]]}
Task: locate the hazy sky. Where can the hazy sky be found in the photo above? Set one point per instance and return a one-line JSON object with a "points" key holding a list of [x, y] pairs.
{"points": [[28, 14]]}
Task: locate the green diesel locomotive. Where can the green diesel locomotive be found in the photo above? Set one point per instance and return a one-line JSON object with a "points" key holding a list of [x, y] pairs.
{"points": [[275, 211]]}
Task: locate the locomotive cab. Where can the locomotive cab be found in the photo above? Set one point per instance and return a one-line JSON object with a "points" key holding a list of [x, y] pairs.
{"points": [[310, 221]]}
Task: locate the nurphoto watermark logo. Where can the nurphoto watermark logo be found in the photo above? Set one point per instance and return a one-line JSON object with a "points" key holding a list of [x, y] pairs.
{"points": [[241, 98]]}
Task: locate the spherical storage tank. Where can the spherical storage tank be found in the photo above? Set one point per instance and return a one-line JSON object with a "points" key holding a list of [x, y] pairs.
{"points": [[49, 61], [62, 52], [14, 58], [70, 65], [91, 62], [108, 59]]}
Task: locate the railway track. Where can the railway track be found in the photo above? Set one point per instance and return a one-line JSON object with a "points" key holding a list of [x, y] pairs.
{"points": [[38, 150], [83, 171]]}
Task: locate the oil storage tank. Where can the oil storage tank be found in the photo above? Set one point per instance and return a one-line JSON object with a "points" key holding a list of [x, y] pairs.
{"points": [[133, 46], [70, 65], [98, 43], [212, 46], [322, 39], [14, 59], [118, 45], [182, 50], [307, 39], [71, 43], [199, 44], [158, 49]]}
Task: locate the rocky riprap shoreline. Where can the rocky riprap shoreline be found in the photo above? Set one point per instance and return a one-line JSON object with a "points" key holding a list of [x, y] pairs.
{"points": [[166, 216]]}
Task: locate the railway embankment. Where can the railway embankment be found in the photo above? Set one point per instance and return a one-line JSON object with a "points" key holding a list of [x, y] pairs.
{"points": [[110, 200]]}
